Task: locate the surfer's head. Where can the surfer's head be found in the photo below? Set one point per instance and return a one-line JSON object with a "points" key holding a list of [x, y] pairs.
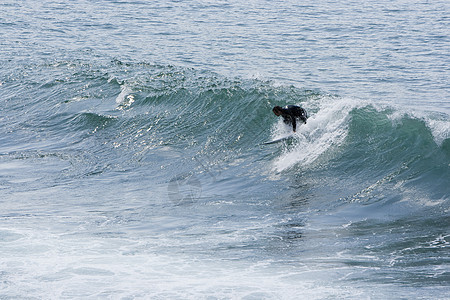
{"points": [[277, 110]]}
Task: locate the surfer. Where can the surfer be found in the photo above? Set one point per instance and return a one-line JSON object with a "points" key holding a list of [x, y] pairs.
{"points": [[290, 114]]}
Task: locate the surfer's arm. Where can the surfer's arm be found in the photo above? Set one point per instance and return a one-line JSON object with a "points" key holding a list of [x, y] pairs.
{"points": [[294, 124]]}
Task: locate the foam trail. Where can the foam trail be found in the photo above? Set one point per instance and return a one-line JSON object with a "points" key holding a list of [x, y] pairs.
{"points": [[125, 98], [440, 130], [324, 129]]}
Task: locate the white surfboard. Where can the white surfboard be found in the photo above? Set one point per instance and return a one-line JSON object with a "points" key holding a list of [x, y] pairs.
{"points": [[279, 140]]}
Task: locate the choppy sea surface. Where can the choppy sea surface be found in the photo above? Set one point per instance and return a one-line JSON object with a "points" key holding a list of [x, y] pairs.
{"points": [[132, 164]]}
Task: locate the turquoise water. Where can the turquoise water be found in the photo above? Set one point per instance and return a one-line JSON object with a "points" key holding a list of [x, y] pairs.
{"points": [[131, 163]]}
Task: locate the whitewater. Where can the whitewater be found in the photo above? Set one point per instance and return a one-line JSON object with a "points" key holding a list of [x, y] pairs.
{"points": [[132, 163]]}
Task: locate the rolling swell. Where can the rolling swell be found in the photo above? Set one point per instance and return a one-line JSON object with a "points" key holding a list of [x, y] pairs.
{"points": [[123, 114], [399, 149]]}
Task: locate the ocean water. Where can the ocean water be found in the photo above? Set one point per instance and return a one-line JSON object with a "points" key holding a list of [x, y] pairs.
{"points": [[132, 164]]}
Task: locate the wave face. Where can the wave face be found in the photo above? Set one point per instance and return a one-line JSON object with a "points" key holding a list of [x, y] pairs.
{"points": [[160, 161], [140, 108]]}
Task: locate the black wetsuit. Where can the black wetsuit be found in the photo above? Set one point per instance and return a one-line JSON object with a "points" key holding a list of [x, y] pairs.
{"points": [[291, 112]]}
